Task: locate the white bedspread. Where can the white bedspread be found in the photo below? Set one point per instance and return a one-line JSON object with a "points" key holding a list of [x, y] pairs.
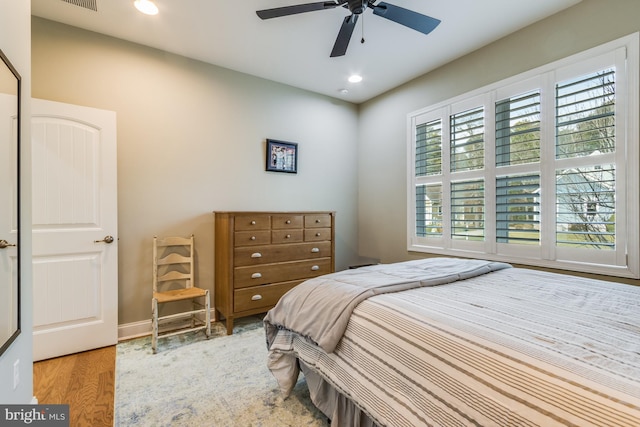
{"points": [[320, 308], [509, 348]]}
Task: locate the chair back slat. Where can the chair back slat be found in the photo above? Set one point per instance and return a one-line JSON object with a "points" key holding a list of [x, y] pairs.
{"points": [[174, 276], [173, 241], [174, 258]]}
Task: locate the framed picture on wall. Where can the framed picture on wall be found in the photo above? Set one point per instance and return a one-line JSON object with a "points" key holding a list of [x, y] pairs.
{"points": [[282, 156]]}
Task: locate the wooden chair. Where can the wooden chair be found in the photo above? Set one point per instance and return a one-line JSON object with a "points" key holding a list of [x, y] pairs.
{"points": [[173, 281]]}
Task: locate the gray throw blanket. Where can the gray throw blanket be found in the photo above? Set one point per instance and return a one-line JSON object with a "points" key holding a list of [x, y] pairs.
{"points": [[319, 309]]}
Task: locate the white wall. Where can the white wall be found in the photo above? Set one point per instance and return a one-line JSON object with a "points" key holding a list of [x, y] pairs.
{"points": [[383, 129], [191, 141], [15, 42]]}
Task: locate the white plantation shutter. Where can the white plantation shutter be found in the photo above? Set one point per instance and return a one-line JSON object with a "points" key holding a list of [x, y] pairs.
{"points": [[429, 210], [467, 210], [585, 115], [518, 209], [428, 158], [586, 207], [542, 169], [586, 128], [518, 129], [467, 140]]}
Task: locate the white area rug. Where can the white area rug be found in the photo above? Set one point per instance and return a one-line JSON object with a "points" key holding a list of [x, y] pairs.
{"points": [[192, 381]]}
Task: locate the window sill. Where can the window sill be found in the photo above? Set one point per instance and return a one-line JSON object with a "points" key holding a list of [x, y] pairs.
{"points": [[591, 268]]}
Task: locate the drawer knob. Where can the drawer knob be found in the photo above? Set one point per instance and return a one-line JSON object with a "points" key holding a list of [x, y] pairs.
{"points": [[288, 221], [256, 275], [288, 236], [317, 221], [252, 238], [253, 223], [315, 250], [256, 297], [317, 234], [315, 268], [256, 255]]}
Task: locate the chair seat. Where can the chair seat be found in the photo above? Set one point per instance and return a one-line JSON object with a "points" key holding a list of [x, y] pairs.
{"points": [[179, 294]]}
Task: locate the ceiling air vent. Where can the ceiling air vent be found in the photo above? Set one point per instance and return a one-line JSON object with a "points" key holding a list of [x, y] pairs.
{"points": [[87, 4]]}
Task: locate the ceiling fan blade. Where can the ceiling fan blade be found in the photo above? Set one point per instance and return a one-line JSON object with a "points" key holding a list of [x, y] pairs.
{"points": [[414, 20], [299, 8], [344, 36]]}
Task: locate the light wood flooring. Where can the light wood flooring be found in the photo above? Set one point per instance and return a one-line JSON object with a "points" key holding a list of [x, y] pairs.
{"points": [[85, 381]]}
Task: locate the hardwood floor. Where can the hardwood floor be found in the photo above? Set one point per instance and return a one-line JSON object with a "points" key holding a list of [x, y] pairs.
{"points": [[85, 381]]}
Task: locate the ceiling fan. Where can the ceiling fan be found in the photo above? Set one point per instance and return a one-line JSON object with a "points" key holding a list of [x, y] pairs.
{"points": [[408, 18]]}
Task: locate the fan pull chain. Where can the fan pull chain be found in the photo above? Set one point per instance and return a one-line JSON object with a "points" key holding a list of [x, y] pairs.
{"points": [[362, 29]]}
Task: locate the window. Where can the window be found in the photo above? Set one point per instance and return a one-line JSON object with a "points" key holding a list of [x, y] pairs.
{"points": [[586, 207], [467, 140], [467, 210], [540, 169], [429, 149], [518, 129], [429, 210], [518, 209]]}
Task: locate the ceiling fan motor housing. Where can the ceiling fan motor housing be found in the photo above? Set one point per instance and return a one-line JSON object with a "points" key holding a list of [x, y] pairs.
{"points": [[357, 6]]}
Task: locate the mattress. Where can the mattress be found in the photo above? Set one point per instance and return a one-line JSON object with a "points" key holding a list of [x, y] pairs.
{"points": [[512, 347]]}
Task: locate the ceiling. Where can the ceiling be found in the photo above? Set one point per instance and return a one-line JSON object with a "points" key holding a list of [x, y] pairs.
{"points": [[295, 49]]}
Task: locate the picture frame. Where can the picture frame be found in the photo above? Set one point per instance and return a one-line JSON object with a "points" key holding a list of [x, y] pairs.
{"points": [[281, 156]]}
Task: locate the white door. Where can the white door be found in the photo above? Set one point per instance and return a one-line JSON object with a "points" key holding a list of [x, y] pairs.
{"points": [[75, 244]]}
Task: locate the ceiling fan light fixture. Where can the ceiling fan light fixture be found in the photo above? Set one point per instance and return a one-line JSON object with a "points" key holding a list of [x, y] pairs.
{"points": [[355, 78], [147, 7]]}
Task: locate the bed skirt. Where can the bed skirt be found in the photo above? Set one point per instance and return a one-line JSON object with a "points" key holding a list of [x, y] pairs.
{"points": [[338, 408]]}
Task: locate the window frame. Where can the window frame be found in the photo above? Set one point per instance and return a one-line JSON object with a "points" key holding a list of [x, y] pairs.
{"points": [[624, 261]]}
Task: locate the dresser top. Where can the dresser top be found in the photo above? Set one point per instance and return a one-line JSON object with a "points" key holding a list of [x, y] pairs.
{"points": [[273, 212]]}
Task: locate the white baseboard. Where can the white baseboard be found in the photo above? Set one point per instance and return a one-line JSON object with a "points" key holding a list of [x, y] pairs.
{"points": [[134, 330]]}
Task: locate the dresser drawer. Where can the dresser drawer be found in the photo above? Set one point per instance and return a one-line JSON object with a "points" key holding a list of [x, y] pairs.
{"points": [[250, 238], [265, 296], [244, 277], [286, 221], [254, 255], [252, 222], [317, 234], [286, 236], [317, 221]]}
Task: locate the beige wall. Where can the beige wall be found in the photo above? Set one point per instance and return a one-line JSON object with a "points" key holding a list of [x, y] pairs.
{"points": [[382, 144], [185, 122], [15, 42], [191, 141]]}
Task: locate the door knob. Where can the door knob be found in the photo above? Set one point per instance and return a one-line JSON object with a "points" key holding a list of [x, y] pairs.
{"points": [[4, 244], [107, 239]]}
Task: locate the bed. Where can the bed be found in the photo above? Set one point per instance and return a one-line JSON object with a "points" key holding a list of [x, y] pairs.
{"points": [[445, 342]]}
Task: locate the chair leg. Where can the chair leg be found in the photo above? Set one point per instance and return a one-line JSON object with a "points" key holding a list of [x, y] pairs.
{"points": [[154, 325], [207, 315], [194, 306]]}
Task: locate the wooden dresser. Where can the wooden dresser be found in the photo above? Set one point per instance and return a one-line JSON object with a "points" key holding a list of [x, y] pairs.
{"points": [[261, 255]]}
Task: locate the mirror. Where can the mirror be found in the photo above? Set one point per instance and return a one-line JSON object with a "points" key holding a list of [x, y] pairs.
{"points": [[9, 203]]}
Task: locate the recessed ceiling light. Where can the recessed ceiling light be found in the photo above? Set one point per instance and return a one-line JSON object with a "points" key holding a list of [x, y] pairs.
{"points": [[355, 78], [146, 6]]}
